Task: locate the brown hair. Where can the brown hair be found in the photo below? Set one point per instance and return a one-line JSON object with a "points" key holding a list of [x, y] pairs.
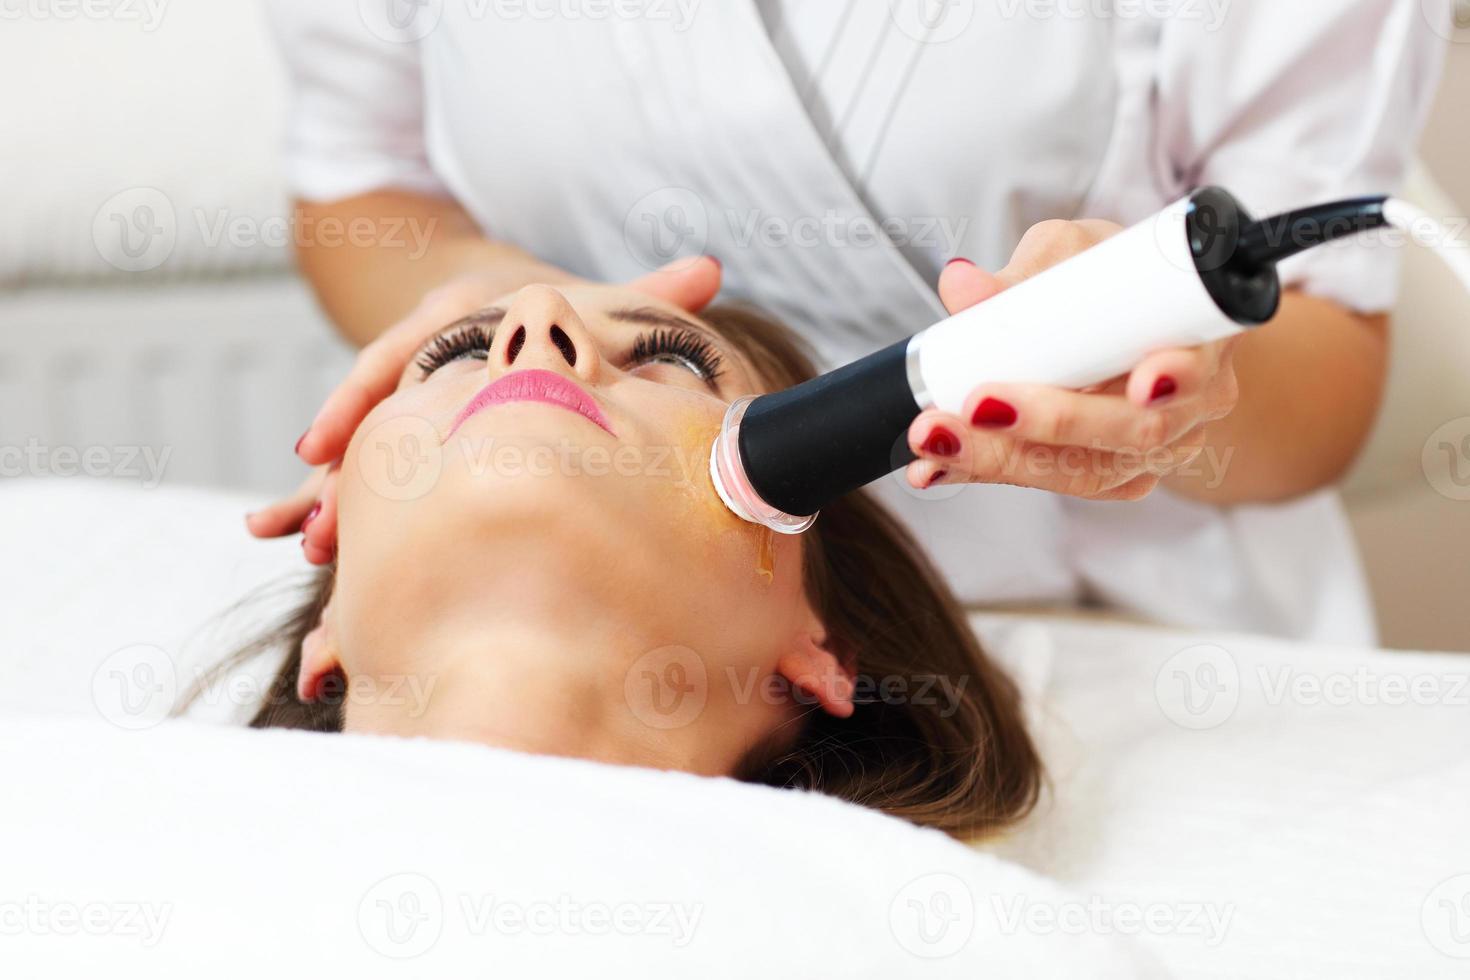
{"points": [[938, 739]]}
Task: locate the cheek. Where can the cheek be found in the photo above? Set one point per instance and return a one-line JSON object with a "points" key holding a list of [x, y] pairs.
{"points": [[752, 553]]}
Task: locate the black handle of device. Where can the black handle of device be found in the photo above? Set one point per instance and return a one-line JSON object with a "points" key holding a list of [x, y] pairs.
{"points": [[804, 447]]}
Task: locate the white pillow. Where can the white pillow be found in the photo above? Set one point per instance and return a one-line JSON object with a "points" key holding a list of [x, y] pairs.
{"points": [[177, 106]]}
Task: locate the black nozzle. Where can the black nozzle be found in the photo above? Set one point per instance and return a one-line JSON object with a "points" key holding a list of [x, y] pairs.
{"points": [[1244, 290], [804, 447], [1237, 255]]}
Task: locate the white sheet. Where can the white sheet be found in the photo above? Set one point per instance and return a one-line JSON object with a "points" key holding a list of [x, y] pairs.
{"points": [[1330, 826], [1294, 835], [211, 851]]}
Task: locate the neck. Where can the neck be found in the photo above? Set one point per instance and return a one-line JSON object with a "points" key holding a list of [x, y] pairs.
{"points": [[551, 690]]}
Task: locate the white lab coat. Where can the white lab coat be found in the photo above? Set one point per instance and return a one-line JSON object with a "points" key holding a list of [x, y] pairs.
{"points": [[835, 154]]}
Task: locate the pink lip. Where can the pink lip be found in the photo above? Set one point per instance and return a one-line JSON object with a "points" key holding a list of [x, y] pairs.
{"points": [[534, 386]]}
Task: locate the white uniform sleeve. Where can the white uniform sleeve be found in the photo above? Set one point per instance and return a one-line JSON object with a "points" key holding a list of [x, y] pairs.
{"points": [[356, 120], [1295, 102]]}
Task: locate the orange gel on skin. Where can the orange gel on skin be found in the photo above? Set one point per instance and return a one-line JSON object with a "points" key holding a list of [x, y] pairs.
{"points": [[697, 438]]}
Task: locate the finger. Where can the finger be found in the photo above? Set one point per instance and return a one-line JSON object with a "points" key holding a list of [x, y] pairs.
{"points": [[963, 284], [1181, 454], [942, 439], [1060, 417], [690, 284], [1171, 375], [1068, 470], [286, 516], [315, 555], [319, 533], [373, 377], [1133, 490], [1051, 243]]}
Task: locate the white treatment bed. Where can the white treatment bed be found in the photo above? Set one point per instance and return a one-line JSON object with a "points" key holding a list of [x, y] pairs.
{"points": [[1220, 806]]}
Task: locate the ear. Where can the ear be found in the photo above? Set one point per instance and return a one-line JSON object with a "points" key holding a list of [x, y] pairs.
{"points": [[320, 658], [819, 673]]}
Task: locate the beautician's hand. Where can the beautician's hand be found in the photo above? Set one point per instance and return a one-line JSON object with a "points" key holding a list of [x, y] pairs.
{"points": [[1114, 441], [312, 509]]}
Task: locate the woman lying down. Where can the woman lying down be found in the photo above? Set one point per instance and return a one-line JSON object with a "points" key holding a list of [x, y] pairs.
{"points": [[528, 531]]}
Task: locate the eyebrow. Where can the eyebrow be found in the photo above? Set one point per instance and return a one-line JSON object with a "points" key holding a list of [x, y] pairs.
{"points": [[486, 319], [650, 317]]}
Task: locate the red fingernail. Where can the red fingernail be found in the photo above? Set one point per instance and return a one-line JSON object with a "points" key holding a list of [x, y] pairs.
{"points": [[941, 442], [958, 260], [1163, 388], [941, 474], [993, 413], [300, 441], [311, 515]]}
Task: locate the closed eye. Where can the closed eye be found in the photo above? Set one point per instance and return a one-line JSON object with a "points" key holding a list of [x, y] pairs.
{"points": [[467, 338]]}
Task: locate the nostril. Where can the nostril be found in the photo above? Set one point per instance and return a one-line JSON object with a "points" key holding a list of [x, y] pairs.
{"points": [[517, 341], [564, 344]]}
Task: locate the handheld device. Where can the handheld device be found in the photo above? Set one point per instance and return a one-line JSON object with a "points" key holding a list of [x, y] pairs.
{"points": [[1200, 271]]}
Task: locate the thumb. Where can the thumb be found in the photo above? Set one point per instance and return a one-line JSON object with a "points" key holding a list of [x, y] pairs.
{"points": [[690, 284], [963, 284]]}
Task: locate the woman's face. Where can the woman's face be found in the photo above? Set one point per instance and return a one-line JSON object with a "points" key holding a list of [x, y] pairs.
{"points": [[541, 474]]}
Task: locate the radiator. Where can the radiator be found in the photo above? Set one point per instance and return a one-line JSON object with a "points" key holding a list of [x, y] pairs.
{"points": [[203, 384]]}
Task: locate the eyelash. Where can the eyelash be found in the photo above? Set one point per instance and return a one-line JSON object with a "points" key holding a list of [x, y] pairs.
{"points": [[682, 347], [679, 347], [471, 341]]}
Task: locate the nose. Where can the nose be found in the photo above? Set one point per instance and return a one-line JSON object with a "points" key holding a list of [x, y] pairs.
{"points": [[541, 330]]}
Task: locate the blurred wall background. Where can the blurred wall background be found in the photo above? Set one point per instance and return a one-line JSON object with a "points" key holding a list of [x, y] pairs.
{"points": [[1416, 542], [1447, 139]]}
